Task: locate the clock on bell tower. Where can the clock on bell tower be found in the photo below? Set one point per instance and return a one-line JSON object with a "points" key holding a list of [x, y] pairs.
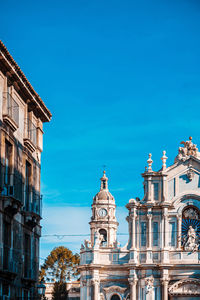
{"points": [[103, 218]]}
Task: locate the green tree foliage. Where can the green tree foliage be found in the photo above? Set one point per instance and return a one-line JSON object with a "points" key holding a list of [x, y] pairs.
{"points": [[59, 291], [60, 265]]}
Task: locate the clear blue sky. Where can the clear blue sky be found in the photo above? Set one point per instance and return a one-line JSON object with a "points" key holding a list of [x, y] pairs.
{"points": [[121, 78]]}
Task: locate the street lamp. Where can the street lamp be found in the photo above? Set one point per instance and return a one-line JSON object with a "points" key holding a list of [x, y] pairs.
{"points": [[41, 290]]}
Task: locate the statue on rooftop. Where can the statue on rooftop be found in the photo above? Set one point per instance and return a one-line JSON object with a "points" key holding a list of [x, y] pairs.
{"points": [[188, 149]]}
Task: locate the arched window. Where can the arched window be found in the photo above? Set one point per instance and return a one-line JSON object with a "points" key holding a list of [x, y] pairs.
{"points": [[103, 237], [190, 228], [115, 297]]}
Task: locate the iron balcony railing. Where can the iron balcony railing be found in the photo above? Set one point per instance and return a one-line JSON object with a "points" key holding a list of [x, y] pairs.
{"points": [[11, 184], [11, 107], [33, 202], [30, 131]]}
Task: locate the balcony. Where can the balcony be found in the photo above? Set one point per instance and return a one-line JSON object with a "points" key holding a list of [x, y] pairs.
{"points": [[32, 208], [30, 138], [10, 111], [11, 192]]}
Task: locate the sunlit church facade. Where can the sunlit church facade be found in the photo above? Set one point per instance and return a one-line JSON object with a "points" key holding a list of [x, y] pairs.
{"points": [[161, 259]]}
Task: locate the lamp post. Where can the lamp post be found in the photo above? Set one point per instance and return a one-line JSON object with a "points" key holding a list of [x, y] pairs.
{"points": [[41, 290]]}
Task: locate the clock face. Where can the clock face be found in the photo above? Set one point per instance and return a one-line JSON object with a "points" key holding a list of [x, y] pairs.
{"points": [[102, 212]]}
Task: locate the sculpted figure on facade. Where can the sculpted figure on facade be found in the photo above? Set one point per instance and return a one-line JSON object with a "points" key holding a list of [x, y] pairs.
{"points": [[149, 285], [188, 149], [191, 241]]}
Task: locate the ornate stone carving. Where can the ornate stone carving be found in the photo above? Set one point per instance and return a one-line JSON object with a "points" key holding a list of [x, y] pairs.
{"points": [[115, 288], [190, 174], [190, 286], [102, 297], [188, 149], [190, 213], [150, 161], [164, 159], [149, 285]]}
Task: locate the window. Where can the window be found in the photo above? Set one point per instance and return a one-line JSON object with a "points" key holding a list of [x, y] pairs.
{"points": [[8, 162], [6, 244], [143, 233], [155, 191], [155, 233], [27, 185], [172, 240], [27, 255], [104, 184]]}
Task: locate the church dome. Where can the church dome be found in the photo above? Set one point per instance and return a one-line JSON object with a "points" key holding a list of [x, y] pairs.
{"points": [[104, 195]]}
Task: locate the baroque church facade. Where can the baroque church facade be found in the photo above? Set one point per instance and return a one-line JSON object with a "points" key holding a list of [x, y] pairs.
{"points": [[161, 258]]}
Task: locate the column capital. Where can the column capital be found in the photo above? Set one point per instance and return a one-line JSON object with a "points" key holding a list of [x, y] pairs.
{"points": [[83, 283], [132, 280], [164, 281], [149, 216], [95, 281]]}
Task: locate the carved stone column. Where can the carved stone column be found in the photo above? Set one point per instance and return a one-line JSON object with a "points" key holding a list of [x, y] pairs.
{"points": [[165, 235], [133, 288], [179, 219], [95, 283], [165, 289], [133, 250], [166, 228], [133, 218]]}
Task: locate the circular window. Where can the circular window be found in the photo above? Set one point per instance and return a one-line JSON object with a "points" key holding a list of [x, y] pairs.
{"points": [[115, 297]]}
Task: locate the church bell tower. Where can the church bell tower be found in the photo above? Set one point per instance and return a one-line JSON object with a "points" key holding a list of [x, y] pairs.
{"points": [[103, 220]]}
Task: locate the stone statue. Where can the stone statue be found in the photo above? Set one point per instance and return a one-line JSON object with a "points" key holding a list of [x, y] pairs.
{"points": [[188, 149], [191, 240], [87, 244], [97, 240], [149, 285]]}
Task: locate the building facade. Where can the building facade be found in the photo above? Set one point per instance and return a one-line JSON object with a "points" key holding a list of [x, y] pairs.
{"points": [[162, 258], [22, 114]]}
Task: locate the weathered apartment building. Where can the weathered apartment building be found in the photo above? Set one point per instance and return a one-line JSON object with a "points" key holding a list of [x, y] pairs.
{"points": [[22, 114]]}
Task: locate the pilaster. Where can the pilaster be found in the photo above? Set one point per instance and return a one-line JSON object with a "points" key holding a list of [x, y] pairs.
{"points": [[149, 249], [179, 220]]}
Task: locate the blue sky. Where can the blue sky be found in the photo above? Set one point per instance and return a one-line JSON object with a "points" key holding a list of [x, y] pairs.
{"points": [[122, 79]]}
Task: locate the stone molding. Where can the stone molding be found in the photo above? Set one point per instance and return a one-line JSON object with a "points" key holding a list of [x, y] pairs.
{"points": [[190, 286], [115, 288]]}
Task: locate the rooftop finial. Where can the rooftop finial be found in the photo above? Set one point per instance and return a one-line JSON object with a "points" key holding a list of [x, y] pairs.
{"points": [[149, 161], [164, 159], [104, 181]]}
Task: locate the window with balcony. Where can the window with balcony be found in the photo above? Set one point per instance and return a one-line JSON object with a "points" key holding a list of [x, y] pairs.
{"points": [[10, 111], [27, 186], [8, 163], [30, 138], [27, 256], [6, 245]]}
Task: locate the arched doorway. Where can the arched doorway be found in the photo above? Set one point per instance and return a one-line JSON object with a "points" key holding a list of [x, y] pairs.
{"points": [[115, 297]]}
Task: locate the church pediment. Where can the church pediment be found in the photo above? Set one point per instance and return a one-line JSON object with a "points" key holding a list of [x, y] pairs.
{"points": [[185, 287]]}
